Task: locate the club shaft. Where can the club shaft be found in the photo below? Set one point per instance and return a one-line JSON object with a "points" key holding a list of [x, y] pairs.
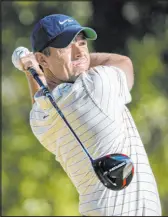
{"points": [[50, 97]]}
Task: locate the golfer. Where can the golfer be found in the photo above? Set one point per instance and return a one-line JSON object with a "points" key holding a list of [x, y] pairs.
{"points": [[92, 91]]}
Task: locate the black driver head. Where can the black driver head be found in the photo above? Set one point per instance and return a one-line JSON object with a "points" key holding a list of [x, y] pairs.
{"points": [[115, 171]]}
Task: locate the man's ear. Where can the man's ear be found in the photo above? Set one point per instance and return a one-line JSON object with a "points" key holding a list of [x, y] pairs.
{"points": [[41, 59]]}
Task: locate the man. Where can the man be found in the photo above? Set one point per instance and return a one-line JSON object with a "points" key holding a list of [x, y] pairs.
{"points": [[92, 91]]}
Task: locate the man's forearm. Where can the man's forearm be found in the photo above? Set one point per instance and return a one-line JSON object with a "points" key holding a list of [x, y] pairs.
{"points": [[33, 85], [120, 61], [105, 59]]}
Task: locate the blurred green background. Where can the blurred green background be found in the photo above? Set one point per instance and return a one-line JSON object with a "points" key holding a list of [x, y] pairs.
{"points": [[33, 183]]}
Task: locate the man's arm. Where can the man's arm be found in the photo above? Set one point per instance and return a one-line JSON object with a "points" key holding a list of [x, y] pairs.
{"points": [[30, 61], [22, 59], [33, 85], [122, 62]]}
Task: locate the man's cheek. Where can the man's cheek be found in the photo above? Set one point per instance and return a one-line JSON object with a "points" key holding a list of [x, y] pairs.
{"points": [[69, 57], [65, 59], [68, 61]]}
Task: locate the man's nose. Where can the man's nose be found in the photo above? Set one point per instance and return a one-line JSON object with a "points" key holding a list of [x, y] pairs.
{"points": [[76, 51]]}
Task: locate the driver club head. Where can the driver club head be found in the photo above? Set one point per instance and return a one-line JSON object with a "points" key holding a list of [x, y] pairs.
{"points": [[115, 171]]}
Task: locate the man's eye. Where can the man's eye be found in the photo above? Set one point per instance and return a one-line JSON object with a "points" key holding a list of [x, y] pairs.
{"points": [[83, 42]]}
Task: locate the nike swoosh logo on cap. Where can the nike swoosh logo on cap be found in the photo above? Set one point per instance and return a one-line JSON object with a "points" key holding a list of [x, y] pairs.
{"points": [[68, 20]]}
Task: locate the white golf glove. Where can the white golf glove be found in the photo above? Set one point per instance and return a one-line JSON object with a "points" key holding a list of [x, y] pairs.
{"points": [[17, 55]]}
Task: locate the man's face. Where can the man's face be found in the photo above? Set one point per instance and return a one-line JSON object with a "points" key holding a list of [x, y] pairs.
{"points": [[67, 63]]}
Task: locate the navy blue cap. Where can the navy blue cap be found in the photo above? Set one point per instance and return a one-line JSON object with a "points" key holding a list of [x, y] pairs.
{"points": [[57, 30]]}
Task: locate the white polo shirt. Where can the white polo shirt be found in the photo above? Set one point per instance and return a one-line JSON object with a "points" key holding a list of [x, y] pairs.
{"points": [[95, 107]]}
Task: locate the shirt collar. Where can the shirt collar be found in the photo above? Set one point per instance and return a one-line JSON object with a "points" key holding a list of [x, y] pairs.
{"points": [[57, 92]]}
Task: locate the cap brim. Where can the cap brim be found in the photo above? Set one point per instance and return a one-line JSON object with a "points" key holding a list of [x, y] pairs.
{"points": [[65, 38]]}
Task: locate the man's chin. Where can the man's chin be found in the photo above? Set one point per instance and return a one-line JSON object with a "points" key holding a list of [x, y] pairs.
{"points": [[73, 78], [80, 69], [75, 75]]}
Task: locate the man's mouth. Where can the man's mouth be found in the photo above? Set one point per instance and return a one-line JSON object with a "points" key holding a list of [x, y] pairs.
{"points": [[79, 62]]}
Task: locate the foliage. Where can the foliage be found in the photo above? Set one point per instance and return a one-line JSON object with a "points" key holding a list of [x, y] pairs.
{"points": [[33, 183], [149, 107]]}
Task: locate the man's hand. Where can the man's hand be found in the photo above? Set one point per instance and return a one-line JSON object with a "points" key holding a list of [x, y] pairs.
{"points": [[22, 59]]}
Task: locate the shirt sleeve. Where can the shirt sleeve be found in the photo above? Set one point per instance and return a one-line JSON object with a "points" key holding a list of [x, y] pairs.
{"points": [[110, 90], [44, 119]]}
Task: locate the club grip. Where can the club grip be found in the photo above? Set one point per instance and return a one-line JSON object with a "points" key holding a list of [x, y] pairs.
{"points": [[32, 71], [35, 76]]}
